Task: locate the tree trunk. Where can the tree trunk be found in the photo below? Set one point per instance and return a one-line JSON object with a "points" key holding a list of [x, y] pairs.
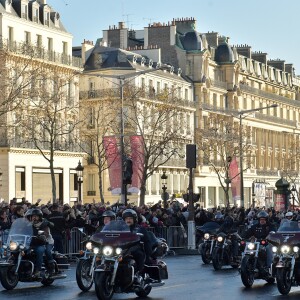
{"points": [[101, 187], [142, 195]]}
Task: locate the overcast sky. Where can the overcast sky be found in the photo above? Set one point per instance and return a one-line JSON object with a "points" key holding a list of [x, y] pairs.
{"points": [[270, 26]]}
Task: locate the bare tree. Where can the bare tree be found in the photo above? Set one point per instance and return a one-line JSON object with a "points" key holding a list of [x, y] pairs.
{"points": [[218, 142], [48, 121], [160, 120], [18, 68], [99, 119]]}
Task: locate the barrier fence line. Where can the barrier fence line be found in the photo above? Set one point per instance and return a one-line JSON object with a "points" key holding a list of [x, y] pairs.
{"points": [[175, 237]]}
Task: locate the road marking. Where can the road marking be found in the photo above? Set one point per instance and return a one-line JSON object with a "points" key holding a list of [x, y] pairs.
{"points": [[171, 286]]}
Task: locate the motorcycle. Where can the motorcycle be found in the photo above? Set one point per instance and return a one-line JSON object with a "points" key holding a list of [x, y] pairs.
{"points": [[18, 264], [222, 253], [115, 267], [253, 264], [209, 240], [286, 249]]}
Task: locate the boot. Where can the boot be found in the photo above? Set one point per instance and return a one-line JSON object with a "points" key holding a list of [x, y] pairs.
{"points": [[51, 268]]}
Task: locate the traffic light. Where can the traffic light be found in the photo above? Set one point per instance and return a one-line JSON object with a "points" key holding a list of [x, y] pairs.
{"points": [[127, 171]]}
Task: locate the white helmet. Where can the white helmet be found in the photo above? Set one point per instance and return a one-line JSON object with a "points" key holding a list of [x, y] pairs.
{"points": [[289, 214]]}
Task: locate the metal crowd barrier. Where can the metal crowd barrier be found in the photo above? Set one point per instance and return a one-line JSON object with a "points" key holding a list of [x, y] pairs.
{"points": [[174, 235], [73, 242], [3, 239]]}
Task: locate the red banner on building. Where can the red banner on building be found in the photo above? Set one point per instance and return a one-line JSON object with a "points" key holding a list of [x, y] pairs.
{"points": [[137, 156], [113, 159], [235, 180]]}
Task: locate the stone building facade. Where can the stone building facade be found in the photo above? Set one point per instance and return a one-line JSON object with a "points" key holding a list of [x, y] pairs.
{"points": [[33, 38], [229, 79]]}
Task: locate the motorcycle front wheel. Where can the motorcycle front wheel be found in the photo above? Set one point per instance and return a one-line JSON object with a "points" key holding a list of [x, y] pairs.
{"points": [[247, 271], [8, 278], [104, 290], [284, 283], [217, 259], [205, 254], [83, 278]]}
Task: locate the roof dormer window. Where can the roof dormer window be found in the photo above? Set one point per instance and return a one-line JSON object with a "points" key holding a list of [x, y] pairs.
{"points": [[24, 11], [35, 17], [47, 18]]}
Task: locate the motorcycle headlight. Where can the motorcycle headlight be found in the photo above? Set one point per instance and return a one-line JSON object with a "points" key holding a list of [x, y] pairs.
{"points": [[251, 246], [285, 249], [274, 249], [89, 245], [13, 246], [206, 236], [107, 250], [220, 239], [118, 251], [296, 249], [96, 250]]}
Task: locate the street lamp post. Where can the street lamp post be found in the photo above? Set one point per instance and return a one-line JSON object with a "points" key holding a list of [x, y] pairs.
{"points": [[241, 114], [164, 178], [79, 172]]}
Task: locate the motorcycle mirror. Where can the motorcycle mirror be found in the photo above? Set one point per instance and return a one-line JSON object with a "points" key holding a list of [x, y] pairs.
{"points": [[272, 232], [40, 232], [139, 234]]}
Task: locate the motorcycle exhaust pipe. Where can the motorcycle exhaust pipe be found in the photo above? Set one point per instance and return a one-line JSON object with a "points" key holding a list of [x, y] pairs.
{"points": [[61, 276], [157, 284]]}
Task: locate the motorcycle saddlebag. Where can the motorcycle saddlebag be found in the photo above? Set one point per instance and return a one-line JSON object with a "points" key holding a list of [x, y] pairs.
{"points": [[62, 262]]}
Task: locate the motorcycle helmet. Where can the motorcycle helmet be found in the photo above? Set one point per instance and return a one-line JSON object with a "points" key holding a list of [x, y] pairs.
{"points": [[130, 213], [289, 215], [262, 215], [37, 212], [219, 216], [28, 214], [109, 213]]}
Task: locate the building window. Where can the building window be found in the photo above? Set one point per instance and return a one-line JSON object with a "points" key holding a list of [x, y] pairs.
{"points": [[36, 15], [65, 48], [47, 18], [91, 185], [39, 41], [24, 11], [158, 87], [27, 37], [186, 94], [50, 44]]}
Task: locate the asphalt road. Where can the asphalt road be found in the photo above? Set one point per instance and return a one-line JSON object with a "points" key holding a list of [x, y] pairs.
{"points": [[188, 279]]}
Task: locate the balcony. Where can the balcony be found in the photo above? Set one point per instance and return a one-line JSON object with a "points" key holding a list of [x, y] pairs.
{"points": [[115, 92], [273, 119], [267, 95], [40, 53]]}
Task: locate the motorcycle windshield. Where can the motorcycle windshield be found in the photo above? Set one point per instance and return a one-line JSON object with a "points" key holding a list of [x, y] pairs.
{"points": [[288, 226], [118, 225], [115, 234], [20, 232], [209, 227]]}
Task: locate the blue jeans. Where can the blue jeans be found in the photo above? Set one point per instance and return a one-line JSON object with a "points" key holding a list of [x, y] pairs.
{"points": [[39, 251], [49, 254]]}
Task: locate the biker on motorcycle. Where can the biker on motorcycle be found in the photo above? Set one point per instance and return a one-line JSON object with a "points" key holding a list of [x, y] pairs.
{"points": [[227, 227], [261, 231], [41, 243], [141, 256]]}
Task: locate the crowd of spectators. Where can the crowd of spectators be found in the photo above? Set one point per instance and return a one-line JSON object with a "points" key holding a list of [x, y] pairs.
{"points": [[89, 216]]}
